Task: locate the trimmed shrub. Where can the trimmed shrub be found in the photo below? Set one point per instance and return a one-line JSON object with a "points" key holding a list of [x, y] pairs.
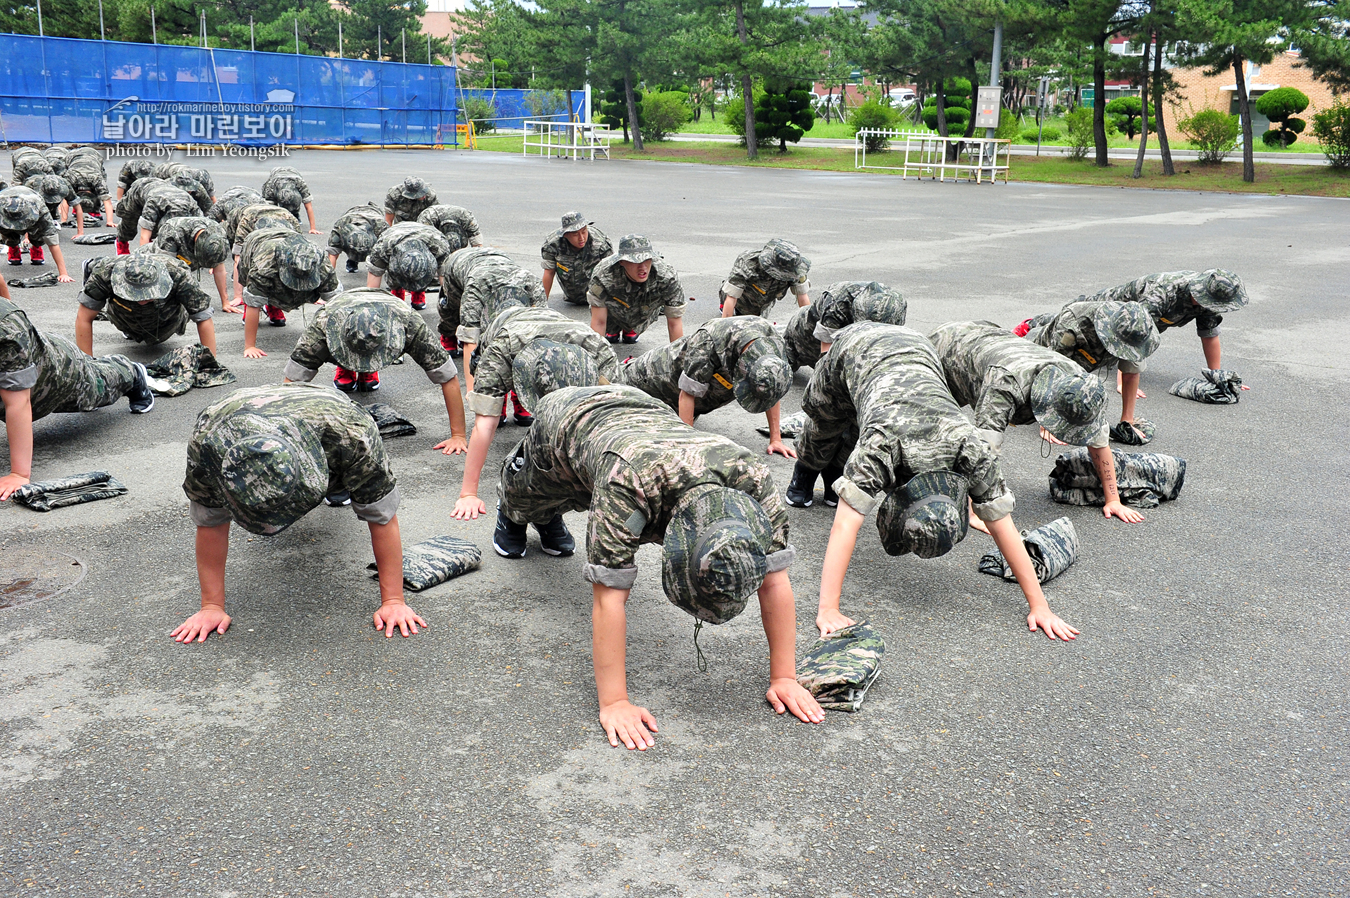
{"points": [[1048, 134], [783, 112], [482, 112], [1126, 114], [1280, 106], [1331, 127], [875, 115], [1079, 123], [614, 109], [956, 93], [1214, 134], [663, 113]]}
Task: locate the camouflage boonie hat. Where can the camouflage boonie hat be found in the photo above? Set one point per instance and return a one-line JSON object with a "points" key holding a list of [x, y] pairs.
{"points": [[715, 552], [544, 366], [270, 482], [1127, 330], [138, 168], [783, 260], [512, 293], [20, 209], [141, 277], [358, 235], [764, 380], [209, 247], [1071, 405], [574, 221], [926, 516], [1219, 290], [365, 336], [634, 248], [301, 264], [412, 264], [414, 189], [881, 304], [289, 199], [52, 188], [274, 220]]}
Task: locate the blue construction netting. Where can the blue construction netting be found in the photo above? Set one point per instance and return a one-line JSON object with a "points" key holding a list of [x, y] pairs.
{"points": [[512, 106], [60, 90]]}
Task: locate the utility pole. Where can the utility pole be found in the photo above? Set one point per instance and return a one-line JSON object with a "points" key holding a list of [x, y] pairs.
{"points": [[339, 38], [251, 48], [39, 8], [996, 68], [154, 32], [101, 35], [297, 35], [379, 42], [403, 36]]}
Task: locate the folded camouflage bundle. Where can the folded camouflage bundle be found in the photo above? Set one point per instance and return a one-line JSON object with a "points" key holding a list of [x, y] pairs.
{"points": [[179, 370], [839, 669], [390, 422], [100, 239], [48, 494], [1216, 386], [436, 560], [47, 279], [1052, 549], [89, 222], [790, 426], [1144, 479], [1136, 434]]}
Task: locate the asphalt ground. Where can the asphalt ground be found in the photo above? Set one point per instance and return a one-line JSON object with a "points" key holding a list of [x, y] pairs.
{"points": [[1193, 739]]}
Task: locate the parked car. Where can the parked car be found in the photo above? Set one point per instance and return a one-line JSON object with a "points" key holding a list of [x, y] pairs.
{"points": [[902, 97]]}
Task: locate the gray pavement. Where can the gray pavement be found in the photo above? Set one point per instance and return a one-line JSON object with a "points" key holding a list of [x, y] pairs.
{"points": [[1193, 740]]}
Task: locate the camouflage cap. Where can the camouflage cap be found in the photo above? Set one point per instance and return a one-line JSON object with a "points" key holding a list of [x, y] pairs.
{"points": [[574, 221], [881, 304], [926, 516], [1069, 404], [783, 260], [52, 188], [366, 336], [634, 248], [715, 552], [20, 209], [411, 264], [358, 234], [141, 277], [512, 293], [1219, 290], [764, 381], [272, 481], [138, 168], [414, 189], [288, 198], [454, 239], [1126, 330], [274, 219], [544, 366], [301, 265], [209, 246]]}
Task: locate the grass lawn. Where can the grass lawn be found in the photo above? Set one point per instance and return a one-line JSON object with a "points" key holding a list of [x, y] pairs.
{"points": [[1271, 178]]}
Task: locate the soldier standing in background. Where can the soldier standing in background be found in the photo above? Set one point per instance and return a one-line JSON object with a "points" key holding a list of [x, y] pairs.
{"points": [[631, 289], [760, 277], [570, 254]]}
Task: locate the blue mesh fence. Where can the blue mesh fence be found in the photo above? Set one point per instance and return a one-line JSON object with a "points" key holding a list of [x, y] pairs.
{"points": [[60, 90], [512, 106]]}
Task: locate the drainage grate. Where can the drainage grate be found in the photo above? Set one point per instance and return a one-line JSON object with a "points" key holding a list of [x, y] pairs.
{"points": [[31, 575]]}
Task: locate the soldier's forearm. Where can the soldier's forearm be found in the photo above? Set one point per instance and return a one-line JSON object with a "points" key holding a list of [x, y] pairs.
{"points": [[1129, 393], [19, 430], [778, 613], [609, 631], [1105, 463], [484, 429], [206, 334], [1014, 550], [548, 282], [454, 408], [838, 554], [387, 546], [1213, 352], [213, 545]]}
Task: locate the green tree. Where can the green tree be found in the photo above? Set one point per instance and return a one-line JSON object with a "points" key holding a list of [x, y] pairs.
{"points": [[1324, 40], [783, 112], [1282, 107], [1128, 112]]}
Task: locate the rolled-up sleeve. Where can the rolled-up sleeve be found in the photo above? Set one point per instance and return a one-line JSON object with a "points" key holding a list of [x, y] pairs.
{"points": [[297, 372], [206, 516], [381, 511], [22, 379]]}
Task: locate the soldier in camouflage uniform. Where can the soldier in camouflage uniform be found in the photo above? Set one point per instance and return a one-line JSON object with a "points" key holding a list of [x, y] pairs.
{"points": [[362, 331], [511, 333], [243, 221], [57, 158], [132, 171], [760, 277], [148, 296], [128, 210], [22, 212], [45, 373], [235, 198], [456, 224], [811, 329], [1007, 380], [1100, 334], [84, 171], [476, 284], [631, 289], [645, 477], [409, 255], [725, 360], [189, 184], [355, 233], [28, 163], [915, 463], [169, 171], [199, 243], [265, 457], [280, 271], [288, 189], [159, 201], [406, 201], [56, 192], [570, 254]]}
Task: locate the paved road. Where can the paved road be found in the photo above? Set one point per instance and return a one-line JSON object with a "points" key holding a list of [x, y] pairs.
{"points": [[1192, 741]]}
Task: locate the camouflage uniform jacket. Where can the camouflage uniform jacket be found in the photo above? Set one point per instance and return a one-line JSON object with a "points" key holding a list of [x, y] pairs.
{"points": [[355, 454], [366, 217], [818, 322], [509, 333], [243, 221], [1071, 333], [57, 157], [45, 231], [235, 198], [632, 306], [60, 376], [470, 280], [175, 238], [88, 179], [260, 273], [703, 364], [377, 263], [628, 459], [1167, 296], [166, 172], [311, 353], [155, 321], [404, 209], [127, 176], [573, 266], [756, 290], [284, 176], [453, 222], [886, 384], [165, 201], [28, 164], [991, 369], [54, 209]]}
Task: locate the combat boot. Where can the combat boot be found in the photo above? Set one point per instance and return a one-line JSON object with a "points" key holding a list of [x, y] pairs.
{"points": [[554, 537], [141, 398], [419, 300], [801, 492], [351, 264]]}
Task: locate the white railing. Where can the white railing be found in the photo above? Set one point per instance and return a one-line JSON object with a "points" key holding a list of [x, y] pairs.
{"points": [[574, 140], [927, 154]]}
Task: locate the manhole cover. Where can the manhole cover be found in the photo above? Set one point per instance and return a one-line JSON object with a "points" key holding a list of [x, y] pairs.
{"points": [[29, 575]]}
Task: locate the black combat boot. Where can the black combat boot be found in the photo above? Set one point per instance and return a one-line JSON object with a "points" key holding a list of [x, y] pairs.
{"points": [[801, 492]]}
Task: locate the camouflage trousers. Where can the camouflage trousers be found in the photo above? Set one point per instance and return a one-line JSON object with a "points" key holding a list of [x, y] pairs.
{"points": [[822, 447], [447, 308], [802, 346], [129, 229], [80, 383], [530, 494]]}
